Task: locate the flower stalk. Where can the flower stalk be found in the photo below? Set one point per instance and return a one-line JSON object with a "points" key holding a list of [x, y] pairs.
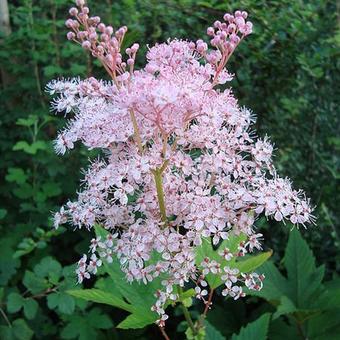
{"points": [[160, 193]]}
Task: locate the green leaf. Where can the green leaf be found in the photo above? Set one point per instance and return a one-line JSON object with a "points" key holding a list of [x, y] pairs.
{"points": [[99, 296], [85, 327], [303, 276], [330, 297], [31, 149], [31, 120], [286, 306], [325, 326], [139, 296], [30, 308], [14, 302], [257, 329], [211, 333], [51, 189], [49, 268], [302, 289], [33, 283], [252, 262], [64, 302], [3, 213], [21, 330], [25, 191], [16, 175]]}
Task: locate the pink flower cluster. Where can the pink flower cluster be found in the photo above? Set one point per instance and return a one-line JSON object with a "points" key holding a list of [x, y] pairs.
{"points": [[181, 161]]}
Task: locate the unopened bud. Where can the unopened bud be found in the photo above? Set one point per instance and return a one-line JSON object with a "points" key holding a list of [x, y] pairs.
{"points": [[217, 24], [80, 3], [134, 48], [109, 30], [69, 23], [86, 45], [70, 36], [245, 15], [101, 27], [86, 10], [73, 11], [210, 31]]}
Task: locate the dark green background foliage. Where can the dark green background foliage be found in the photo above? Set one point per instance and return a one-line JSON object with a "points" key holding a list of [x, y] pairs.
{"points": [[287, 72]]}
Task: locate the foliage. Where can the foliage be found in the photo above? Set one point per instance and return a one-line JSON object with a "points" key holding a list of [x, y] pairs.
{"points": [[287, 73]]}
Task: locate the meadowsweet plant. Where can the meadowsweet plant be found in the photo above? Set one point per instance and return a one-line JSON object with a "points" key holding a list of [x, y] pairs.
{"points": [[183, 177]]}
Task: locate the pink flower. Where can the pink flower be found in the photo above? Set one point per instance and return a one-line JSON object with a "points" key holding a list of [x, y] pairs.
{"points": [[180, 164]]}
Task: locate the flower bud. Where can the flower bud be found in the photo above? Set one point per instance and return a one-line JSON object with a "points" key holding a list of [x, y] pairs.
{"points": [[231, 28], [239, 21], [100, 49], [80, 3], [109, 59], [244, 15], [86, 45], [134, 48], [70, 36], [73, 11], [217, 24], [86, 10], [101, 27], [228, 17], [192, 45], [82, 35], [210, 31], [109, 30], [69, 23], [96, 20], [249, 28], [93, 36], [130, 61], [238, 14], [104, 37]]}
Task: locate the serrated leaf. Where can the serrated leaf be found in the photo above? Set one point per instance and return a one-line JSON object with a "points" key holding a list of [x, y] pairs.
{"points": [[99, 296], [257, 329], [253, 262], [303, 276], [324, 326], [330, 297], [286, 306]]}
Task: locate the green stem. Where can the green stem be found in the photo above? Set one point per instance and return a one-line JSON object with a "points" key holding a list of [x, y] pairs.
{"points": [[137, 136], [160, 193], [186, 312]]}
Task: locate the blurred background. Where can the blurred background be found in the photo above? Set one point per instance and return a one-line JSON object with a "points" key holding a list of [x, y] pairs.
{"points": [[287, 72]]}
